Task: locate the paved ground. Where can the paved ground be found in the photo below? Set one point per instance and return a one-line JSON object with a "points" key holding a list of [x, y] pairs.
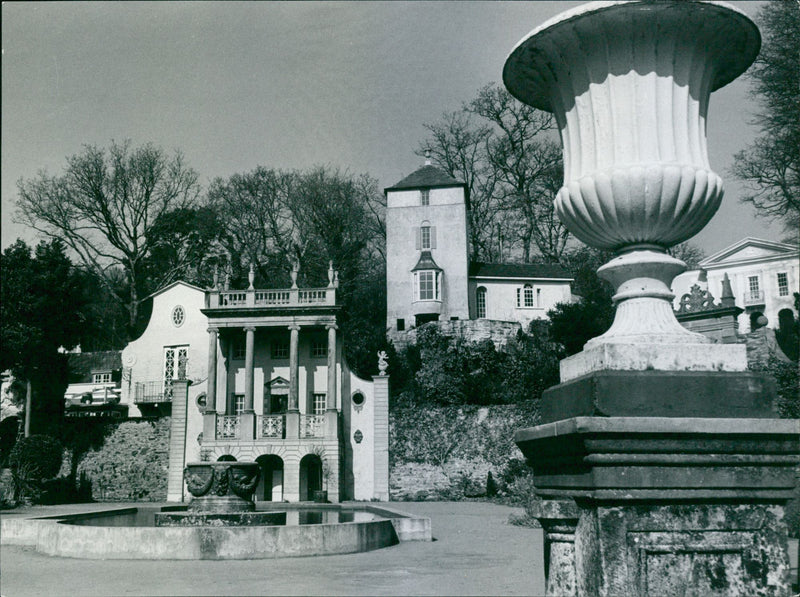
{"points": [[476, 552]]}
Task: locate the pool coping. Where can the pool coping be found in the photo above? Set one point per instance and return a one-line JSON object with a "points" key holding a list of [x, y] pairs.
{"points": [[49, 536]]}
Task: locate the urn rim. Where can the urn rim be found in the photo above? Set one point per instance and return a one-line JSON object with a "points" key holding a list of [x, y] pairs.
{"points": [[529, 54]]}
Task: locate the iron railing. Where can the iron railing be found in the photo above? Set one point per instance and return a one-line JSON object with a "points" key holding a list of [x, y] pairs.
{"points": [[152, 392]]}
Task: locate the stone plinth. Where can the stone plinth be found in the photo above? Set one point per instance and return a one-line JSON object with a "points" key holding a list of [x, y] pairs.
{"points": [[659, 357], [745, 394], [668, 506]]}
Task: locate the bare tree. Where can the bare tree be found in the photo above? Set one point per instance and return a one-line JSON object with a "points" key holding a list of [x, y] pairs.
{"points": [[458, 146], [770, 167], [103, 206], [508, 156], [255, 211], [526, 161]]}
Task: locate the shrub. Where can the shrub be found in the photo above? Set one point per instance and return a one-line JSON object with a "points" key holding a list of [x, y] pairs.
{"points": [[33, 460], [132, 464], [455, 371]]}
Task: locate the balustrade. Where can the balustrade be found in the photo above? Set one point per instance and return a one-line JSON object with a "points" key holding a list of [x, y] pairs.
{"points": [[226, 299], [229, 427], [271, 426], [312, 425]]}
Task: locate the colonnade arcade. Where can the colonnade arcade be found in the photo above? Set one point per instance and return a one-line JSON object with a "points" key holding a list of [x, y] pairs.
{"points": [[229, 339]]}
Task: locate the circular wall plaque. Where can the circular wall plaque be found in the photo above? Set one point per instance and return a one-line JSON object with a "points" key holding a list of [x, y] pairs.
{"points": [[358, 436]]}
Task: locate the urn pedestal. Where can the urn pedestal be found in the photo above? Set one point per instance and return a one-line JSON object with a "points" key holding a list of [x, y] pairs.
{"points": [[661, 467]]}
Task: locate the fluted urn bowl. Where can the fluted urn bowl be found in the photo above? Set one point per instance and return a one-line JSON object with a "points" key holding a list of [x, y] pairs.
{"points": [[220, 487], [629, 85]]}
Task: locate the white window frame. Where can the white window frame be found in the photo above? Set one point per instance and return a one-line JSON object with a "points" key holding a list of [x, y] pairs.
{"points": [[104, 377], [238, 404], [480, 302], [527, 298], [425, 237], [753, 287], [319, 403], [433, 277], [783, 284], [425, 197]]}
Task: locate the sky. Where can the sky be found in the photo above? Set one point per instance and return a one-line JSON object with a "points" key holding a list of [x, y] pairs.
{"points": [[236, 85]]}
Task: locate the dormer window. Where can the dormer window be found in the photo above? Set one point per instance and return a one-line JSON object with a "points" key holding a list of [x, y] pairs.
{"points": [[425, 197]]}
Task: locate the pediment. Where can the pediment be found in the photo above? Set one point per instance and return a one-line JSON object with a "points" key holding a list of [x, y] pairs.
{"points": [[749, 249], [277, 383]]}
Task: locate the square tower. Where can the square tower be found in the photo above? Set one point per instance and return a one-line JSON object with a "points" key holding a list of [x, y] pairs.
{"points": [[426, 249]]}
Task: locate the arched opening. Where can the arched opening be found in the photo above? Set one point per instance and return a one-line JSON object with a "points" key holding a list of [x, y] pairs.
{"points": [[310, 476], [480, 302], [270, 486], [226, 458]]}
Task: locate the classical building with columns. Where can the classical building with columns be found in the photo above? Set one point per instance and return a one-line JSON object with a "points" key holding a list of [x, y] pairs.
{"points": [[265, 380]]}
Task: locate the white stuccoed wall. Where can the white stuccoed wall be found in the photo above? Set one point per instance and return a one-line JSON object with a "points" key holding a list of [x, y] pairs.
{"points": [[404, 214]]}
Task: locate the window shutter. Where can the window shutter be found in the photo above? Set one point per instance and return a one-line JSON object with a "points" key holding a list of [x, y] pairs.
{"points": [[417, 234], [433, 237]]}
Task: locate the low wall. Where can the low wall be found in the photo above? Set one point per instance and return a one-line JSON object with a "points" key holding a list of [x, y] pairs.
{"points": [[54, 536]]}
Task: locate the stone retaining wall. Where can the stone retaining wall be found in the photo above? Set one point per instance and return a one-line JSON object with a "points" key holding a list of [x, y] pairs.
{"points": [[472, 330]]}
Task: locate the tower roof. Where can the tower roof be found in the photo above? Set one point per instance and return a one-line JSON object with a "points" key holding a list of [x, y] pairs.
{"points": [[425, 178]]}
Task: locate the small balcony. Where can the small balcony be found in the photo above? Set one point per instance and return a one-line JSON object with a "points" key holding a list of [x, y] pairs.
{"points": [[152, 392], [268, 428], [753, 298], [279, 298]]}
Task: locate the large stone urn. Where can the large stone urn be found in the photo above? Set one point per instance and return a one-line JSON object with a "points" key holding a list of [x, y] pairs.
{"points": [[661, 464], [629, 85]]}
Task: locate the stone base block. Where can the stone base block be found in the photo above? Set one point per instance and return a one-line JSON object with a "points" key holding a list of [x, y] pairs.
{"points": [[658, 357], [744, 394], [698, 549]]}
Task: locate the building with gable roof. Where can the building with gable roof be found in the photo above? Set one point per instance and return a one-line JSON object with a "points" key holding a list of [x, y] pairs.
{"points": [[428, 273], [763, 278], [259, 375]]}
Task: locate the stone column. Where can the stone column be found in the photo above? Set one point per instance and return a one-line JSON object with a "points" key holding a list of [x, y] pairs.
{"points": [[210, 414], [248, 414], [559, 519], [211, 391], [331, 414], [331, 396], [293, 414], [294, 368]]}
